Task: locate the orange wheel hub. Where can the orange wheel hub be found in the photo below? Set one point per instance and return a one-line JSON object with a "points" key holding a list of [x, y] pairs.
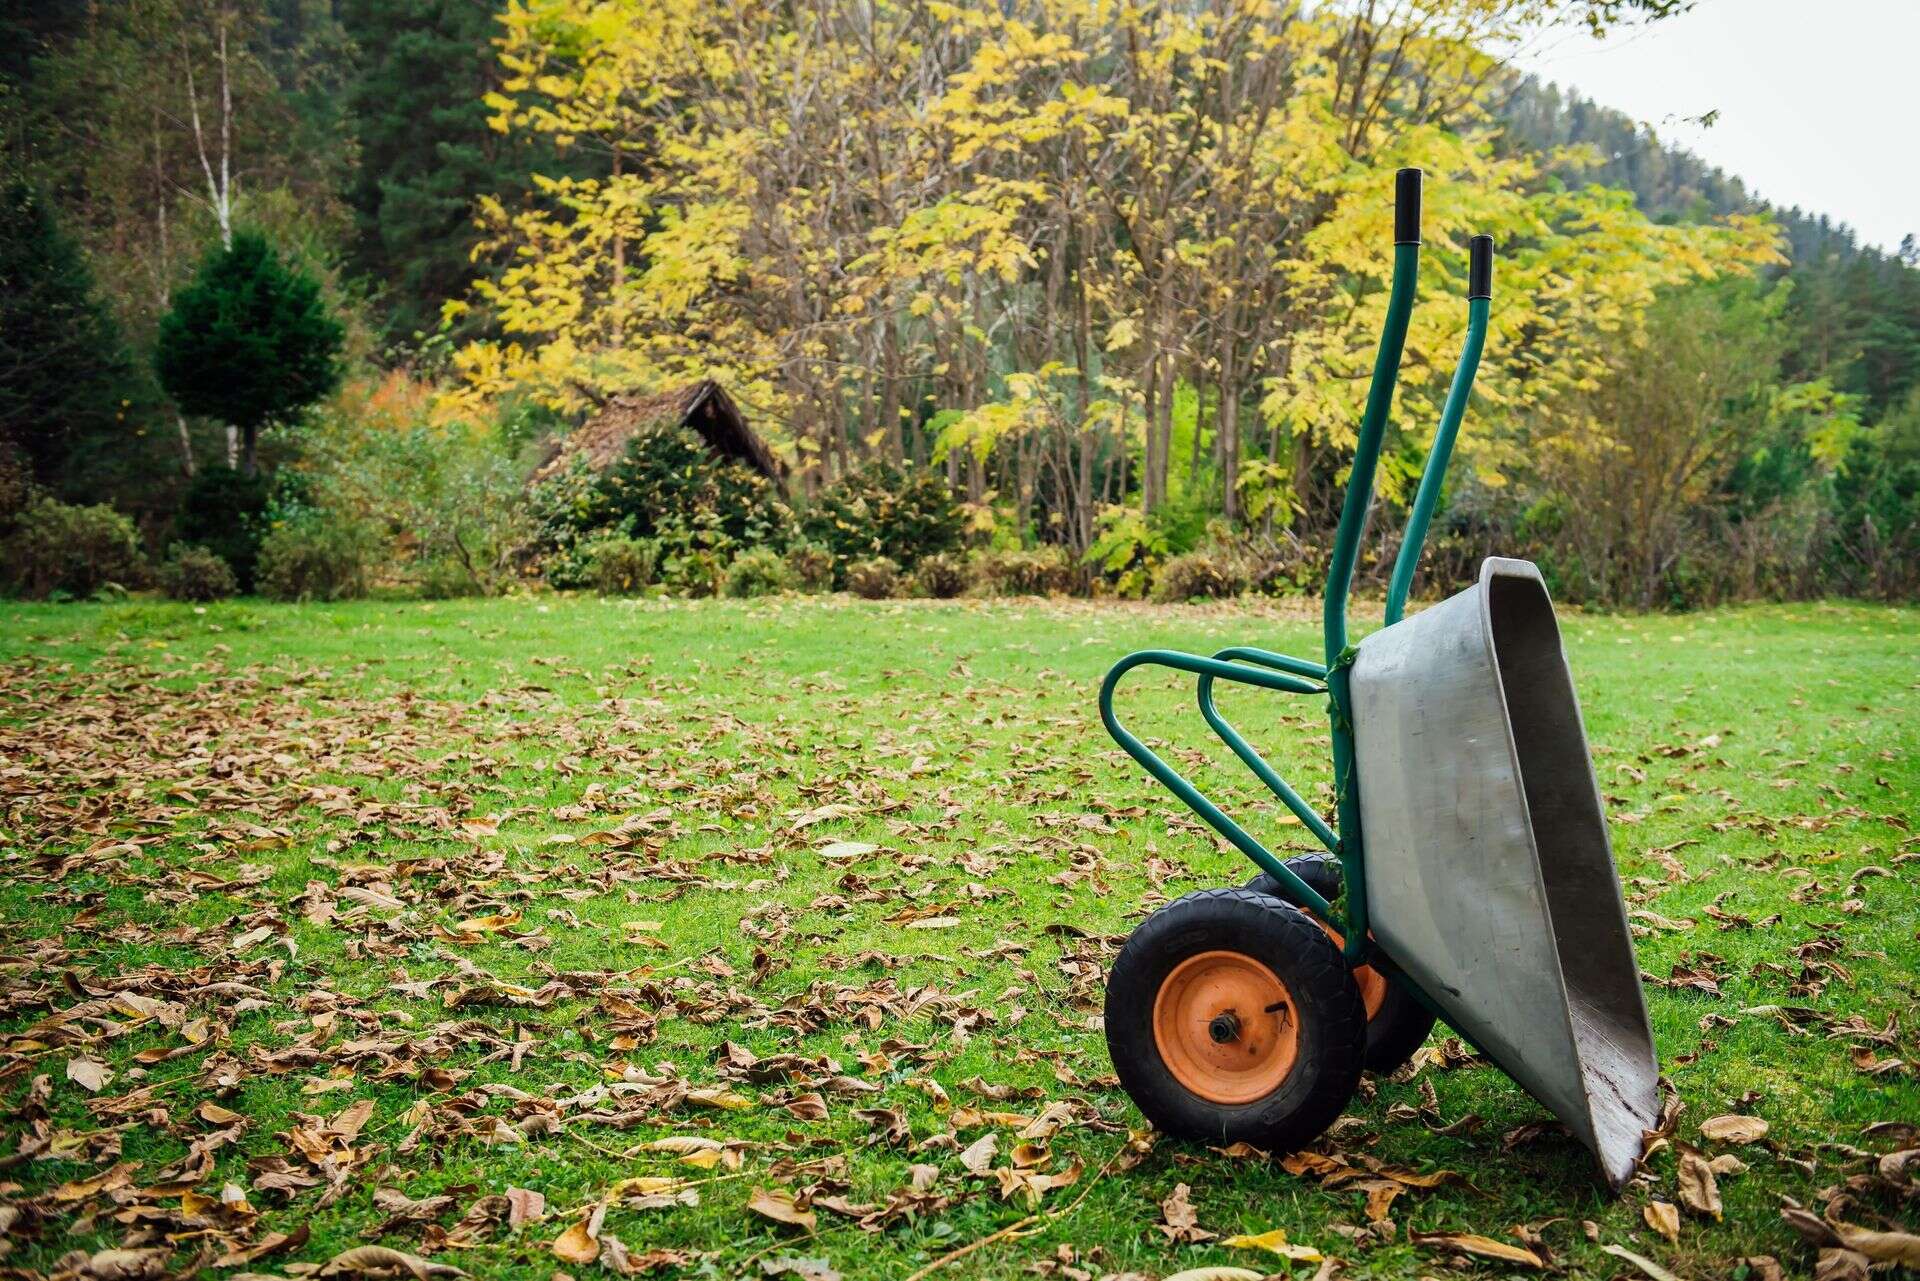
{"points": [[1225, 1027], [1371, 982]]}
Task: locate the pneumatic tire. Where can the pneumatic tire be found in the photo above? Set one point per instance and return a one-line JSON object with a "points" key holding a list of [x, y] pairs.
{"points": [[1397, 1025], [1231, 1017]]}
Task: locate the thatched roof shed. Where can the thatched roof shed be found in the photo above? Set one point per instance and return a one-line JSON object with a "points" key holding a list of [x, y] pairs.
{"points": [[704, 406]]}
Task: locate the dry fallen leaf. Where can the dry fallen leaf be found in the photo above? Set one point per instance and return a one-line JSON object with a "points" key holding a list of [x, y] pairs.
{"points": [[524, 1206], [1180, 1221], [1699, 1190], [148, 1263], [1275, 1241], [1640, 1261], [1662, 1217], [382, 1261], [778, 1204], [1733, 1128], [1485, 1247], [580, 1243], [1901, 1248], [978, 1156], [88, 1073], [1221, 1272]]}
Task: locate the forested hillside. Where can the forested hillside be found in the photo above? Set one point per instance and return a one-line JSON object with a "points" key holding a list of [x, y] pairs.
{"points": [[1113, 280]]}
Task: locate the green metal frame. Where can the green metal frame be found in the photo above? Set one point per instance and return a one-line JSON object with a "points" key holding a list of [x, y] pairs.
{"points": [[1266, 670]]}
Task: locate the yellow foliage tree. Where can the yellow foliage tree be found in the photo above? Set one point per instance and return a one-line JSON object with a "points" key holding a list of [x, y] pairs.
{"points": [[1005, 235]]}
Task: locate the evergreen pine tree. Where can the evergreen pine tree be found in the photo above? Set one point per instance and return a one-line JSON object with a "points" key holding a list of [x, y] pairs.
{"points": [[65, 373], [426, 151], [250, 342]]}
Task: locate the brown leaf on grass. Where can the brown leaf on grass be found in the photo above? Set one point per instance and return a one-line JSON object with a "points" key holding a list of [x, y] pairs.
{"points": [[148, 1263], [1275, 1241], [1218, 1272], [524, 1206], [271, 1243], [1485, 1247], [580, 1243], [778, 1204], [1034, 1185], [794, 1266], [89, 1073], [1663, 1217], [807, 1107], [978, 1156], [1763, 1267], [1699, 1190], [1837, 1263], [1640, 1261], [1179, 1220], [118, 1176], [384, 1261], [1899, 1248], [1380, 1197], [1733, 1128], [889, 1125]]}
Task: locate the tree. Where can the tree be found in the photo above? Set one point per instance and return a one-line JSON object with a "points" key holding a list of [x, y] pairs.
{"points": [[249, 342], [65, 374], [426, 155], [1639, 465]]}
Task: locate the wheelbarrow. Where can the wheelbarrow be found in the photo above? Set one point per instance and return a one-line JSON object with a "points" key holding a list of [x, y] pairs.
{"points": [[1469, 877]]}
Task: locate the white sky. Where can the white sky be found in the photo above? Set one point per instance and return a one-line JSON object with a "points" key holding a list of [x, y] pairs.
{"points": [[1817, 99]]}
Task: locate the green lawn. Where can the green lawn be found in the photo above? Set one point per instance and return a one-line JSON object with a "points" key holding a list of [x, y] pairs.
{"points": [[835, 885]]}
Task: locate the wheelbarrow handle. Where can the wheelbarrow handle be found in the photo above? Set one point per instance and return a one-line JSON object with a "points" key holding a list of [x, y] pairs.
{"points": [[1433, 477], [1173, 781]]}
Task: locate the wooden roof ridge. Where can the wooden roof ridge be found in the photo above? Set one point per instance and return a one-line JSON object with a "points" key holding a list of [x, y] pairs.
{"points": [[704, 406]]}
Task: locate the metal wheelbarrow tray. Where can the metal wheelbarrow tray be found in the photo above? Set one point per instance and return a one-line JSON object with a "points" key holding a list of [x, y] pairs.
{"points": [[1472, 870], [1490, 879]]}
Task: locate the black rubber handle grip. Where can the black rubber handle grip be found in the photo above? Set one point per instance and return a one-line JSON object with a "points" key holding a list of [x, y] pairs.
{"points": [[1406, 207], [1480, 267]]}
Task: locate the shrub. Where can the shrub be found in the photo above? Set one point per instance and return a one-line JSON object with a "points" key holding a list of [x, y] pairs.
{"points": [[1208, 574], [694, 571], [1040, 572], [883, 510], [758, 571], [668, 485], [620, 566], [875, 578], [942, 576], [226, 513], [250, 341], [811, 566], [75, 551], [313, 555], [446, 578], [1127, 549], [194, 573]]}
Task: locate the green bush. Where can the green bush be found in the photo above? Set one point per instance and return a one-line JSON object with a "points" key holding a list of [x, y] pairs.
{"points": [[667, 488], [74, 551], [694, 571], [875, 578], [810, 566], [942, 576], [312, 555], [620, 566], [883, 510], [194, 573], [758, 571], [226, 513], [1043, 571], [1208, 574], [668, 485]]}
